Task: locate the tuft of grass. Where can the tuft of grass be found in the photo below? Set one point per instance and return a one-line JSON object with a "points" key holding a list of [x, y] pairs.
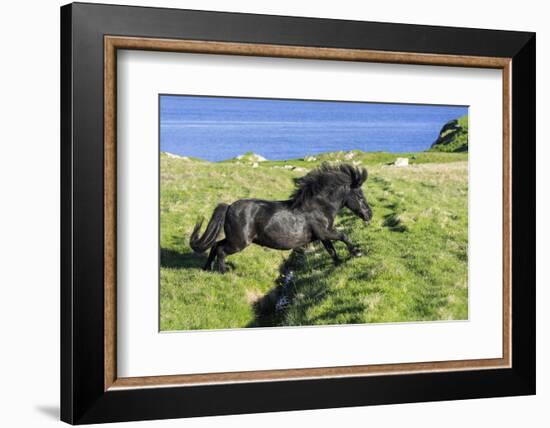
{"points": [[413, 268]]}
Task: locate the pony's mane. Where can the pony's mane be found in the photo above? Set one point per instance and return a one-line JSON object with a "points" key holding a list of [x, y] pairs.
{"points": [[328, 176]]}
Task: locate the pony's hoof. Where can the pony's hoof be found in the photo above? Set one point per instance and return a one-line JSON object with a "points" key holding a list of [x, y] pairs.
{"points": [[356, 253]]}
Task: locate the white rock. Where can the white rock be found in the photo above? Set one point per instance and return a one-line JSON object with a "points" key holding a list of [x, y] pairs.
{"points": [[349, 155], [401, 162], [258, 158], [255, 165], [174, 156], [288, 167], [252, 157], [310, 158]]}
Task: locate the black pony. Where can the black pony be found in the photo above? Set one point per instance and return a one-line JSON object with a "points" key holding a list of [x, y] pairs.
{"points": [[306, 217]]}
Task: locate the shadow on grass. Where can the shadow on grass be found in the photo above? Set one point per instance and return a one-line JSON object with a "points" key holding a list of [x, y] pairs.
{"points": [[393, 222], [267, 312], [385, 184], [303, 275], [176, 260], [345, 311]]}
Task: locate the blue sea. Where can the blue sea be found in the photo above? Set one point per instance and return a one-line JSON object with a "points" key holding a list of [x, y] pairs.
{"points": [[219, 128]]}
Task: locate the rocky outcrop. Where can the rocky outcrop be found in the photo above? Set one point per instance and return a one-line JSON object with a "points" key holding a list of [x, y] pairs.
{"points": [[453, 136]]}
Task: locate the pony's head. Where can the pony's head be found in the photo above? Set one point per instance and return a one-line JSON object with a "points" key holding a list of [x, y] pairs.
{"points": [[344, 177], [355, 199]]}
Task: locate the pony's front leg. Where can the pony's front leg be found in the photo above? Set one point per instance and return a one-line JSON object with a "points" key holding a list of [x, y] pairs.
{"points": [[354, 250], [331, 250], [335, 235]]}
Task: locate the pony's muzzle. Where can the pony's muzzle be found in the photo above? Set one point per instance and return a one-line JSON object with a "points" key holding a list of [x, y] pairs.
{"points": [[367, 219]]}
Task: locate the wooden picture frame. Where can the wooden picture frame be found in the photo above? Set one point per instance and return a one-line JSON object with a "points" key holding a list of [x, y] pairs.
{"points": [[91, 390]]}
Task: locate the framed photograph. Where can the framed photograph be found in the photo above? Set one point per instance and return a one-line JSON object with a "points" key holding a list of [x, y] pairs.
{"points": [[265, 213]]}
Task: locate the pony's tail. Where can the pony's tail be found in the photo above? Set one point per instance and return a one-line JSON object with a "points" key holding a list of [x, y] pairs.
{"points": [[207, 240]]}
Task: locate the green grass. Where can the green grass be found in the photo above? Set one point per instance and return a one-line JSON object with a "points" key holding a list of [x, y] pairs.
{"points": [[413, 268]]}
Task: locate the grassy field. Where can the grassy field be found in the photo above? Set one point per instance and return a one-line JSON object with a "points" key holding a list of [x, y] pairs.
{"points": [[413, 268]]}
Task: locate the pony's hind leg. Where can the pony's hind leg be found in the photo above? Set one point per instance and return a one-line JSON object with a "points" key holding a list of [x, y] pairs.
{"points": [[211, 257], [225, 248], [329, 246], [216, 252], [222, 250]]}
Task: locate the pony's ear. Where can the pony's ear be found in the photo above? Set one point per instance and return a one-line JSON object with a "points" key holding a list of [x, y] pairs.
{"points": [[364, 175], [359, 177]]}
